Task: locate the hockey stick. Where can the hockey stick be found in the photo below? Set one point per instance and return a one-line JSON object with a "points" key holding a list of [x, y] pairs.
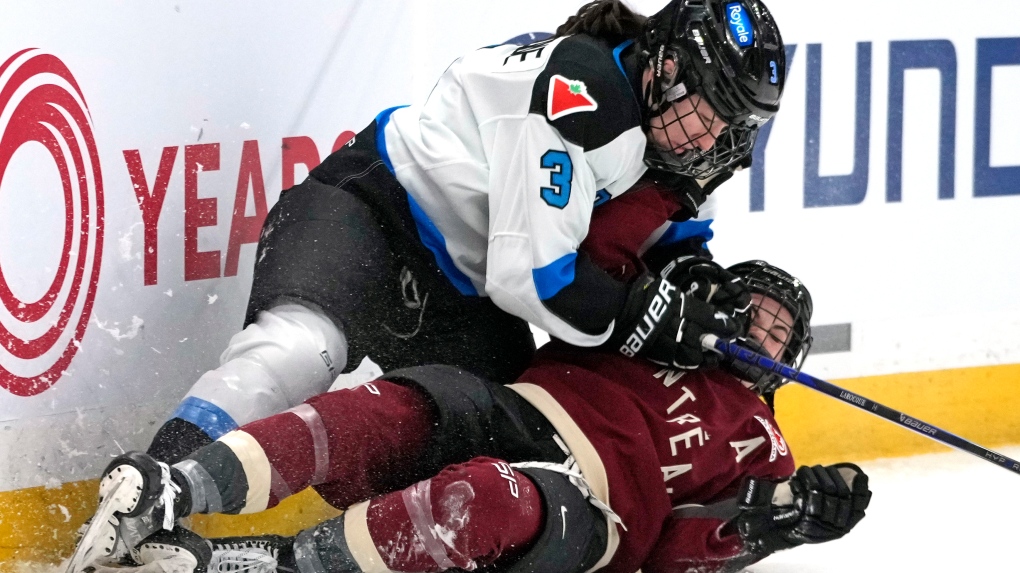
{"points": [[927, 430]]}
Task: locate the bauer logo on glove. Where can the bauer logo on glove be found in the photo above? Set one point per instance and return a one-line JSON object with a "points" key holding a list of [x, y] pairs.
{"points": [[664, 318], [658, 306]]}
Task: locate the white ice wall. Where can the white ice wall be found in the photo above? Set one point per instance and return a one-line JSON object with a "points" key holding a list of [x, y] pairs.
{"points": [[926, 283]]}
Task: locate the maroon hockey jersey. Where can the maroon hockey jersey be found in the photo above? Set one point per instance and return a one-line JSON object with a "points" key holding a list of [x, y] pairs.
{"points": [[666, 440]]}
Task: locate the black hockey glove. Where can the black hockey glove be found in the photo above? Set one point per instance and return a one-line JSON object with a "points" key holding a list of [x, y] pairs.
{"points": [[665, 317], [817, 504]]}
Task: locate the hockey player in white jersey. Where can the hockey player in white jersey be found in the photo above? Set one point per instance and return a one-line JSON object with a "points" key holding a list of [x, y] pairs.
{"points": [[441, 230]]}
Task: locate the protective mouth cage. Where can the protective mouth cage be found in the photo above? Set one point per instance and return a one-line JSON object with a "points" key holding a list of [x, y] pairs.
{"points": [[733, 144], [685, 155]]}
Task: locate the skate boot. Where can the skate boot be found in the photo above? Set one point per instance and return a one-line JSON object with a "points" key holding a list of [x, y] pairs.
{"points": [[175, 551], [253, 554], [137, 497]]}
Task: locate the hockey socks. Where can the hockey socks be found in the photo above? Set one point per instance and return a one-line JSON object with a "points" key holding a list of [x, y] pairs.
{"points": [[350, 444], [176, 439], [469, 515]]}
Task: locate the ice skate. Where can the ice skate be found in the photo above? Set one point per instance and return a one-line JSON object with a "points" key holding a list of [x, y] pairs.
{"points": [[136, 498], [253, 554], [174, 551]]}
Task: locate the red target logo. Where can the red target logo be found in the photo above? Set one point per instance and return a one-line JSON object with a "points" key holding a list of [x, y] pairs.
{"points": [[45, 307]]}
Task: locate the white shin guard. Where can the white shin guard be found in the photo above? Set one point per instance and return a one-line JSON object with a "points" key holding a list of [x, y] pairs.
{"points": [[290, 353]]}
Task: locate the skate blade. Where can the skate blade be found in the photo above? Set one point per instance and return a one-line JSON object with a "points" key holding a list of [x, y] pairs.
{"points": [[85, 553]]}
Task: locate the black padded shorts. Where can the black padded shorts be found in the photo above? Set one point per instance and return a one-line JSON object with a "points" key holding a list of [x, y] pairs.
{"points": [[344, 240], [475, 417]]}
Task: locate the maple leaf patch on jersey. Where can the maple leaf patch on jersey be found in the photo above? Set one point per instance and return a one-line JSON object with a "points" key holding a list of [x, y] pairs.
{"points": [[568, 96], [778, 443]]}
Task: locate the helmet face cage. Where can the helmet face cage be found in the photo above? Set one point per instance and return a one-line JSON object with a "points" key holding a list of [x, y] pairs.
{"points": [[738, 84], [733, 144], [773, 283]]}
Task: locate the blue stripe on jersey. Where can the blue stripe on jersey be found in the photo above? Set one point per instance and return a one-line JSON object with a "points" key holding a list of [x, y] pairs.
{"points": [[685, 230], [380, 134], [550, 279], [209, 417], [434, 240], [616, 55], [427, 230]]}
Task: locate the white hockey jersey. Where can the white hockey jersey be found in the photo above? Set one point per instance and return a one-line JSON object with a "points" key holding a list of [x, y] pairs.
{"points": [[504, 163]]}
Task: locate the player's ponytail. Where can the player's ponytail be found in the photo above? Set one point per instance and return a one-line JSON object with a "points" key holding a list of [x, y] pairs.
{"points": [[610, 20]]}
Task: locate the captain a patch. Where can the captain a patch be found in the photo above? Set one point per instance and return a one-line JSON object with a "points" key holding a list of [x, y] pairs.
{"points": [[568, 96]]}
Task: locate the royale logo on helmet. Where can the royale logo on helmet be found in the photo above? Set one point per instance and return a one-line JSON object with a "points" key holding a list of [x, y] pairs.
{"points": [[740, 24]]}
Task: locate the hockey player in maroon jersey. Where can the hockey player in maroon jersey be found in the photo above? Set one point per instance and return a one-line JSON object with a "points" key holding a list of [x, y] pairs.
{"points": [[590, 461]]}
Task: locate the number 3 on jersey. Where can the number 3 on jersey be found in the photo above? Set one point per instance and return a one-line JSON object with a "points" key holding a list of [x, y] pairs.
{"points": [[562, 172]]}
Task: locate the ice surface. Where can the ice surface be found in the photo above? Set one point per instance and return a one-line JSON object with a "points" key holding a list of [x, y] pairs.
{"points": [[933, 513]]}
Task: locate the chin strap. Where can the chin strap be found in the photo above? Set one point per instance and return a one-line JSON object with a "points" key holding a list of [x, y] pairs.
{"points": [[712, 183]]}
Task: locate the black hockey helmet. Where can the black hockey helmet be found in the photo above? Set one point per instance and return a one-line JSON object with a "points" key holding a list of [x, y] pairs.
{"points": [[731, 54], [775, 283]]}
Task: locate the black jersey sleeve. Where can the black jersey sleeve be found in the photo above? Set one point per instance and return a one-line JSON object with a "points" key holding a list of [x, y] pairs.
{"points": [[592, 301], [588, 66]]}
